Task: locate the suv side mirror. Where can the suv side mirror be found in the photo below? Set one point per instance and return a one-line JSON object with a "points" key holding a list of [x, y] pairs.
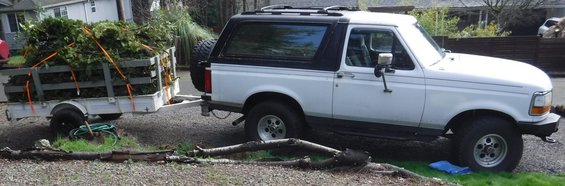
{"points": [[383, 65], [383, 62], [384, 59]]}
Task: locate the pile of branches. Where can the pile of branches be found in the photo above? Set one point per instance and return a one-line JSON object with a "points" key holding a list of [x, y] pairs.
{"points": [[73, 42], [84, 47]]}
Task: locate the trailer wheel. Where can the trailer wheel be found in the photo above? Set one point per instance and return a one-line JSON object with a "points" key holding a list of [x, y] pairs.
{"points": [[63, 121], [273, 120], [110, 117], [200, 53]]}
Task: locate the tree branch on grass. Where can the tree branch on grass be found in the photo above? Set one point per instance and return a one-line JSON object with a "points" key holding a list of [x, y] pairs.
{"points": [[341, 160], [338, 158]]}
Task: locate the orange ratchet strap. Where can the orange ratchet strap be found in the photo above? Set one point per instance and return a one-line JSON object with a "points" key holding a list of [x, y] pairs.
{"points": [[128, 85], [29, 75]]}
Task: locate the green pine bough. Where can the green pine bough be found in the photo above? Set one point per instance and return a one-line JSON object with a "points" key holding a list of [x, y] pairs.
{"points": [[74, 47]]}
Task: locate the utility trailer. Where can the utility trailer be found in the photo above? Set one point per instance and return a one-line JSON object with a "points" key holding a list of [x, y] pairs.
{"points": [[70, 113]]}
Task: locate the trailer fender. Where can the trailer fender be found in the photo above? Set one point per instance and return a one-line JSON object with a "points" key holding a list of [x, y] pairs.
{"points": [[69, 105]]}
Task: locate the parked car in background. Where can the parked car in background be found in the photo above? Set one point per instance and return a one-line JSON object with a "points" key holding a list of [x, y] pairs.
{"points": [[548, 23], [4, 53]]}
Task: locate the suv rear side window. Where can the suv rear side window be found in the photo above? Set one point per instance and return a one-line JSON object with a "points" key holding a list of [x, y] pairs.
{"points": [[276, 40]]}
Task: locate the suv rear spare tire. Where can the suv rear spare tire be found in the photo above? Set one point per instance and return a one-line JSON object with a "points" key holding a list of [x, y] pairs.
{"points": [[200, 53]]}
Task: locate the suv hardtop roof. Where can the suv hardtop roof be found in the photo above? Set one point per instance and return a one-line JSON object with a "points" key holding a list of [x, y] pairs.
{"points": [[341, 13]]}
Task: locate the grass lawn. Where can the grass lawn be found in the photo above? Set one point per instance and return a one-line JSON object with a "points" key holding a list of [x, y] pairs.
{"points": [[485, 178], [15, 60], [105, 145]]}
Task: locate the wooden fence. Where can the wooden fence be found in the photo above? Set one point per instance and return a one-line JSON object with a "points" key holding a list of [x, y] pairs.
{"points": [[547, 54]]}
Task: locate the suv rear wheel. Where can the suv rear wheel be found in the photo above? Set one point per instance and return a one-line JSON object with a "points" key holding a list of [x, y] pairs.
{"points": [[273, 120], [489, 144], [200, 53]]}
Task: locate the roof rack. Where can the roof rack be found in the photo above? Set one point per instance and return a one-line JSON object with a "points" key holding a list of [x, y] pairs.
{"points": [[271, 7], [324, 10]]}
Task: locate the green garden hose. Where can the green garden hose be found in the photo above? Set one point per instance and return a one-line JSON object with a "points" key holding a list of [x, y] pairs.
{"points": [[106, 128]]}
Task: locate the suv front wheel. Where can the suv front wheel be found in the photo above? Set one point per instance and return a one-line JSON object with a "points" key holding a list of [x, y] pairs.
{"points": [[489, 144], [272, 120]]}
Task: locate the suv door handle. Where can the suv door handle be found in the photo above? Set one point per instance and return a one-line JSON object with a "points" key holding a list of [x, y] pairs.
{"points": [[345, 74]]}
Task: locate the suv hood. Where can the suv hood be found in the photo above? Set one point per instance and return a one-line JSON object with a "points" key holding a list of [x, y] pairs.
{"points": [[490, 70]]}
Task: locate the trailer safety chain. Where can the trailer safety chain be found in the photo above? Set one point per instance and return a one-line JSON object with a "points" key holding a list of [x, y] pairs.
{"points": [[214, 114], [88, 130], [111, 60]]}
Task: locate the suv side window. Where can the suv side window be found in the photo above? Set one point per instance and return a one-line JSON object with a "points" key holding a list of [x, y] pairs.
{"points": [[364, 47], [276, 40]]}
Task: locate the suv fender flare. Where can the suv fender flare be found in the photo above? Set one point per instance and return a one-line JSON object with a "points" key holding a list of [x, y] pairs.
{"points": [[270, 95], [460, 119]]}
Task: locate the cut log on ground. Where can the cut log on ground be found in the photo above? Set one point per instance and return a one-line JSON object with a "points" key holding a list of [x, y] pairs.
{"points": [[348, 159]]}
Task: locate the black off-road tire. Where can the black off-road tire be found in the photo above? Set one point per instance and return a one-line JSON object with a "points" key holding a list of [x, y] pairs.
{"points": [[65, 120], [489, 144], [200, 52], [110, 117], [273, 120]]}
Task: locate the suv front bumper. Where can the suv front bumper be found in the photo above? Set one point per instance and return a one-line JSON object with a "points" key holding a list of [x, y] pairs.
{"points": [[542, 128]]}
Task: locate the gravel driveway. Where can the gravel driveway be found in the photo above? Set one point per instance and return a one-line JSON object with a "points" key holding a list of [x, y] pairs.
{"points": [[187, 126]]}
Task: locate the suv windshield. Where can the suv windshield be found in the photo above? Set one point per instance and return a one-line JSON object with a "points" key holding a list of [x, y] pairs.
{"points": [[426, 50], [430, 40], [550, 23]]}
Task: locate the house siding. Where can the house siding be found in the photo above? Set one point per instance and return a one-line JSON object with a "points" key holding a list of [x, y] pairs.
{"points": [[105, 10], [128, 11], [555, 12], [74, 11], [12, 37]]}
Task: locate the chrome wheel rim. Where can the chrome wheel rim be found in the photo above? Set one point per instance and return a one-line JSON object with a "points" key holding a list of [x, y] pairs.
{"points": [[271, 127], [490, 150]]}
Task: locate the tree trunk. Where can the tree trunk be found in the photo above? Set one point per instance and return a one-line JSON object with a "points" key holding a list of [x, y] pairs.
{"points": [[244, 2], [141, 11]]}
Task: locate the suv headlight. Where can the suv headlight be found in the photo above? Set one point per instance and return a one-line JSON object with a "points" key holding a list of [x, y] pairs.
{"points": [[541, 103]]}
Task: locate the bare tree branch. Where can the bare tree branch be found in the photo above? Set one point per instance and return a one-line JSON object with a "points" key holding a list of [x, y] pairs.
{"points": [[512, 12], [338, 158], [265, 145]]}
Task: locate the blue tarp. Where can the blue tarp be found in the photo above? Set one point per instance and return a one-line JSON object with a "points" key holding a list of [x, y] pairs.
{"points": [[449, 168]]}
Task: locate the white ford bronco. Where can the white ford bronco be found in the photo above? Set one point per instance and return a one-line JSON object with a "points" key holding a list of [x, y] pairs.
{"points": [[370, 74]]}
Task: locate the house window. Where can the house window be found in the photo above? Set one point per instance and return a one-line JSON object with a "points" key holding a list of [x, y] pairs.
{"points": [[61, 12], [14, 19], [93, 6]]}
